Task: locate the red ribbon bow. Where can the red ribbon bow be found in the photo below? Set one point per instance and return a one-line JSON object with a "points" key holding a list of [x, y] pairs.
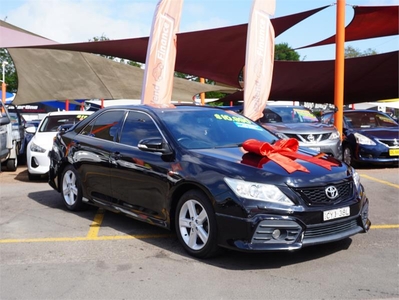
{"points": [[284, 153]]}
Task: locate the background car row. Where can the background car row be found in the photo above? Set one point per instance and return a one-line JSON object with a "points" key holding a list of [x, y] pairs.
{"points": [[369, 136]]}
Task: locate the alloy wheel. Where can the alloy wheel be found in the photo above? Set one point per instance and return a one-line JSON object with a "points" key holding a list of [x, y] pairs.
{"points": [[194, 225]]}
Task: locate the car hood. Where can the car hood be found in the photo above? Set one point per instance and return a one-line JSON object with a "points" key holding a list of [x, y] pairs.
{"points": [[380, 133], [44, 139], [299, 127], [256, 168]]}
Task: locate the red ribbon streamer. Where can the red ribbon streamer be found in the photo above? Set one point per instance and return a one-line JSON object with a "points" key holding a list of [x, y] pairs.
{"points": [[284, 153]]}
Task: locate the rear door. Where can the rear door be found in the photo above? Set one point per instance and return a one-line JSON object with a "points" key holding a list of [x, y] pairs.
{"points": [[94, 146]]}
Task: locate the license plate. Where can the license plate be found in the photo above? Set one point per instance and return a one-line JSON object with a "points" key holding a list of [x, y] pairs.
{"points": [[336, 213], [393, 152], [317, 149]]}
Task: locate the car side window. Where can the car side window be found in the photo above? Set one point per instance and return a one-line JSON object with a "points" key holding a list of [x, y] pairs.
{"points": [[138, 126], [105, 126]]}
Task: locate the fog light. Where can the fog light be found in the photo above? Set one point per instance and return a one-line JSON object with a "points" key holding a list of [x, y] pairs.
{"points": [[276, 234]]}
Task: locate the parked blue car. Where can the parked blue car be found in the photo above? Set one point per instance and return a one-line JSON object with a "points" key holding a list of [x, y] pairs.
{"points": [[369, 136]]}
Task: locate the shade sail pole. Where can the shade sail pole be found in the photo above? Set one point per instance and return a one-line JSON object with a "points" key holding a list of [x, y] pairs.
{"points": [[202, 95], [339, 66]]}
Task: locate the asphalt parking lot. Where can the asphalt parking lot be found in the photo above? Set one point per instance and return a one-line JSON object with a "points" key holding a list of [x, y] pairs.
{"points": [[47, 252]]}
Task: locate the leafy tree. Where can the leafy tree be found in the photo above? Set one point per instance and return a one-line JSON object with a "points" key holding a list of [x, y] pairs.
{"points": [[10, 75], [351, 52], [284, 52]]}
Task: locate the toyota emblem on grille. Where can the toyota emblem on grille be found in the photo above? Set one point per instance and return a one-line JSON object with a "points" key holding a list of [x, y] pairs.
{"points": [[331, 192]]}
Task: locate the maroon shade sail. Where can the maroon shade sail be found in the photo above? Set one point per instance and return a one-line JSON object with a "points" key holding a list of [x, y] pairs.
{"points": [[216, 54], [367, 78], [368, 22]]}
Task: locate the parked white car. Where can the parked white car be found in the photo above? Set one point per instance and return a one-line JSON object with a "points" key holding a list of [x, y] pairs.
{"points": [[37, 159]]}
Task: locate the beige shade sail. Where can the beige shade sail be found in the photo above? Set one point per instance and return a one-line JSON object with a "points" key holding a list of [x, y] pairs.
{"points": [[59, 75]]}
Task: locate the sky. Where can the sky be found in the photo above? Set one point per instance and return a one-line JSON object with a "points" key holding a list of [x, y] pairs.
{"points": [[71, 21]]}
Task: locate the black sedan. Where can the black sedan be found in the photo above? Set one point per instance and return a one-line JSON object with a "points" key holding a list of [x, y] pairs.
{"points": [[370, 137], [217, 178]]}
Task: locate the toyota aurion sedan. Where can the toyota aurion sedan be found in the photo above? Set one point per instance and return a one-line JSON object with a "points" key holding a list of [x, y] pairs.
{"points": [[370, 137], [215, 177]]}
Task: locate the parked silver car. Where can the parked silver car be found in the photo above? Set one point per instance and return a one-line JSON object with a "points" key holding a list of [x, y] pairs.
{"points": [[300, 123]]}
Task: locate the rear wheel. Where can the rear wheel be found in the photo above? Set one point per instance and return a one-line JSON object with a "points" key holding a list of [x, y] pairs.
{"points": [[196, 225], [71, 189]]}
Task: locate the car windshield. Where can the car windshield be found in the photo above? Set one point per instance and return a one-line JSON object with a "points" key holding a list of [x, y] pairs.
{"points": [[213, 128], [288, 115], [52, 123], [369, 120]]}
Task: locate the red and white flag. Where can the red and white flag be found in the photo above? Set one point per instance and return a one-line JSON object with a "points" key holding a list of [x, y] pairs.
{"points": [[161, 54], [259, 60]]}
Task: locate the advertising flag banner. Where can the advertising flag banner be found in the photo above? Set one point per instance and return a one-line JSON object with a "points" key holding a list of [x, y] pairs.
{"points": [[258, 70], [161, 54]]}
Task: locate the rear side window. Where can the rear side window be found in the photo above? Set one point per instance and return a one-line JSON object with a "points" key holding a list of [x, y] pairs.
{"points": [[104, 126], [138, 126]]}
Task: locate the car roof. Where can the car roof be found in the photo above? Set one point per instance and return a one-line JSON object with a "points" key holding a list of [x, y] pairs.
{"points": [[290, 106], [69, 112], [178, 107]]}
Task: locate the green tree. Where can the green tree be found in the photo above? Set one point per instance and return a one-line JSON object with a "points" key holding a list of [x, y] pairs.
{"points": [[10, 75], [284, 52], [351, 52]]}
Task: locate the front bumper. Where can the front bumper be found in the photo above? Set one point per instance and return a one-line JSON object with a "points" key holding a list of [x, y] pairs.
{"points": [[266, 232], [332, 147], [374, 154]]}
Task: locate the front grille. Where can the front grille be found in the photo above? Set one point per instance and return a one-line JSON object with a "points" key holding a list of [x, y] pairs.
{"points": [[317, 195], [329, 229], [306, 137], [390, 143]]}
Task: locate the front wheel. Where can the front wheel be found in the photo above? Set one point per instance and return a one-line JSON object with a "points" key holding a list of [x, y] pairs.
{"points": [[348, 156], [71, 189], [196, 225], [12, 164]]}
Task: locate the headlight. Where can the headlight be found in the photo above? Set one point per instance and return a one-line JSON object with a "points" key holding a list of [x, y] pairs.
{"points": [[363, 140], [36, 148], [257, 191], [334, 136], [356, 178]]}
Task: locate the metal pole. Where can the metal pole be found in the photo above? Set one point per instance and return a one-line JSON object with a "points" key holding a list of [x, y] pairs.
{"points": [[3, 84], [339, 66]]}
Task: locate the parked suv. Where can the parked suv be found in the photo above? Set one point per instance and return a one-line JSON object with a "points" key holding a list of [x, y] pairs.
{"points": [[12, 136], [300, 123]]}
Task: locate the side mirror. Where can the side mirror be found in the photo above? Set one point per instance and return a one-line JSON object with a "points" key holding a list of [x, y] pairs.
{"points": [[31, 129], [4, 120], [154, 145]]}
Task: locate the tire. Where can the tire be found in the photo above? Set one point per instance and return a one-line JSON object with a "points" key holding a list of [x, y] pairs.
{"points": [[12, 164], [347, 156], [196, 225], [71, 189]]}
